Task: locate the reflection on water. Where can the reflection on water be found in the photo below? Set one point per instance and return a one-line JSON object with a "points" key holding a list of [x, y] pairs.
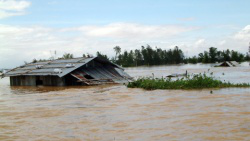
{"points": [[114, 112]]}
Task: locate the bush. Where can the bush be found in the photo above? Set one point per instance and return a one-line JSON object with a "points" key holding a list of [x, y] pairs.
{"points": [[198, 81]]}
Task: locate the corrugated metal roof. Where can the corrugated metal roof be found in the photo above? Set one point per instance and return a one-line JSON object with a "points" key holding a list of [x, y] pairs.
{"points": [[48, 67], [68, 70], [74, 60], [230, 64], [235, 64], [100, 74], [122, 73]]}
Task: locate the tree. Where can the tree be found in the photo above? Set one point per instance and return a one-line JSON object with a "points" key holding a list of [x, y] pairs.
{"points": [[149, 56], [241, 57], [212, 54], [226, 55], [200, 57], [67, 56], [178, 55], [206, 57], [125, 59], [234, 55], [138, 57], [193, 60], [34, 61], [117, 51], [98, 54], [220, 56], [130, 60], [247, 57], [169, 56]]}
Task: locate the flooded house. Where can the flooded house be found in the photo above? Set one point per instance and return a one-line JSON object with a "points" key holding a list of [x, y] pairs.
{"points": [[228, 64], [68, 72]]}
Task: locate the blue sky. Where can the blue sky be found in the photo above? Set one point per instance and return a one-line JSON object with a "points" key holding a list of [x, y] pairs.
{"points": [[36, 27], [61, 13]]}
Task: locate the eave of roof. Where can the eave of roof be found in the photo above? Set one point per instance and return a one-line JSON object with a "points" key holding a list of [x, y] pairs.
{"points": [[49, 66]]}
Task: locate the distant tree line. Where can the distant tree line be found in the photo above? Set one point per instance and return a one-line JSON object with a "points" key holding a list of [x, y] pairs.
{"points": [[213, 55], [65, 56], [148, 56]]}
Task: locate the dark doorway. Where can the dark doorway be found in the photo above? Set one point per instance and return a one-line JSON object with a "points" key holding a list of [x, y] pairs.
{"points": [[72, 81], [39, 82]]}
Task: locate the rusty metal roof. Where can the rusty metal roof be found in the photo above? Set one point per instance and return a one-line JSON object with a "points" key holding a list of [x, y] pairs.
{"points": [[53, 67]]}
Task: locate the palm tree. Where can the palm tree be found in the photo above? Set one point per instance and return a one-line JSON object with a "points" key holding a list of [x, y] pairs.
{"points": [[117, 51]]}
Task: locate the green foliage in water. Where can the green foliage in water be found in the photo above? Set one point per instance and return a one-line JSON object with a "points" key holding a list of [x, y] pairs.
{"points": [[198, 81]]}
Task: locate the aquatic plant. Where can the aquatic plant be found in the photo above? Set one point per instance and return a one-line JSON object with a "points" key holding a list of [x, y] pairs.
{"points": [[197, 81]]}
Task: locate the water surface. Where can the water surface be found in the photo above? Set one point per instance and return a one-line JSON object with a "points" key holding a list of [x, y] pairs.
{"points": [[114, 112]]}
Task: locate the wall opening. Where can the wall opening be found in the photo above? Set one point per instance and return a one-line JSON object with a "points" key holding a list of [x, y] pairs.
{"points": [[39, 81], [72, 81], [88, 76]]}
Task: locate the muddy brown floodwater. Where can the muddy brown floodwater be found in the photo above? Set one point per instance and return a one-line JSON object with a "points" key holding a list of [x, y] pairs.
{"points": [[114, 112]]}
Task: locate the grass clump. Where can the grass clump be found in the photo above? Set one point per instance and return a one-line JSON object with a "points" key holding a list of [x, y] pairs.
{"points": [[198, 81]]}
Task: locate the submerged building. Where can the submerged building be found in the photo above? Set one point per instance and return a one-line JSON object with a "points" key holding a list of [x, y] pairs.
{"points": [[228, 64], [67, 72]]}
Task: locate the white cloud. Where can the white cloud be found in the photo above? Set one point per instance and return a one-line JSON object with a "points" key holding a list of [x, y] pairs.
{"points": [[131, 30], [26, 43], [238, 41], [243, 34], [20, 43], [223, 42], [12, 8], [199, 43]]}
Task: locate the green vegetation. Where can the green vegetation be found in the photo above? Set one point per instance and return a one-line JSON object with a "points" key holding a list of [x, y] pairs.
{"points": [[68, 56], [148, 56], [103, 56], [199, 81], [213, 55]]}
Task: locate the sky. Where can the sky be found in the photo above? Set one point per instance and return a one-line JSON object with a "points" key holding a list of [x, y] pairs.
{"points": [[37, 28]]}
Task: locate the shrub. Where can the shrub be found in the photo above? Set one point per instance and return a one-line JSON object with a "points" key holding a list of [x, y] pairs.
{"points": [[198, 81]]}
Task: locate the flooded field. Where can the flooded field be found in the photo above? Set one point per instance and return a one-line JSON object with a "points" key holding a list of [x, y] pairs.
{"points": [[114, 112]]}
